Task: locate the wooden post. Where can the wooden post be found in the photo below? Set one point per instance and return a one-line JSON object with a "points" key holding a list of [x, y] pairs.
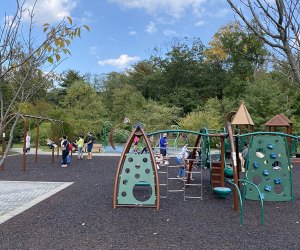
{"points": [[3, 146], [24, 145], [37, 139], [222, 160], [235, 171]]}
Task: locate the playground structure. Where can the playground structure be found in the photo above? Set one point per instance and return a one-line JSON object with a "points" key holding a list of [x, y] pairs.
{"points": [[267, 178], [104, 133], [134, 169], [55, 135]]}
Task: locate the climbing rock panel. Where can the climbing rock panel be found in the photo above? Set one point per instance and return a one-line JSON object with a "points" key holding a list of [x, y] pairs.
{"points": [[269, 168], [137, 181]]}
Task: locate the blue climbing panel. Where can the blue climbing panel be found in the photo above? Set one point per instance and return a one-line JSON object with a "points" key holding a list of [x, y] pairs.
{"points": [[268, 167]]}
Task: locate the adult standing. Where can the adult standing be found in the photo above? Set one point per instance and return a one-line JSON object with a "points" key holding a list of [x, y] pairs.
{"points": [[65, 151], [28, 138], [90, 143], [163, 145]]}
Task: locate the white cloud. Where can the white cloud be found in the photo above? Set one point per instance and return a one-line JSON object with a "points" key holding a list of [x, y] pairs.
{"points": [[200, 23], [151, 28], [168, 32], [121, 62], [174, 8], [49, 11], [132, 33]]}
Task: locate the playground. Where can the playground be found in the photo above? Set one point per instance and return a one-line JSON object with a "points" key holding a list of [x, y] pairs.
{"points": [[81, 215]]}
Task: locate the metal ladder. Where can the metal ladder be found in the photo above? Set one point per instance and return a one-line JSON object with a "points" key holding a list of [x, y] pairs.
{"points": [[160, 173], [199, 184]]}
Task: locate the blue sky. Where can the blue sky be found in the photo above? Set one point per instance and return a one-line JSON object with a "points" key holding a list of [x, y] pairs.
{"points": [[125, 31]]}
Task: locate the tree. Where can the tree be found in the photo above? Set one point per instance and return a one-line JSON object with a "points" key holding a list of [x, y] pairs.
{"points": [[238, 50], [276, 23], [69, 78], [267, 97], [83, 108], [22, 58]]}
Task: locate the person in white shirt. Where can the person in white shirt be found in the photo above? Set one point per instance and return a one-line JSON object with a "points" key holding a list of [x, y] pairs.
{"points": [[28, 138], [181, 161]]}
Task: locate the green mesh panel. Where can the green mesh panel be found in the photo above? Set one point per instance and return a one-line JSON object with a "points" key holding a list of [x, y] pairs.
{"points": [[268, 168], [137, 181]]}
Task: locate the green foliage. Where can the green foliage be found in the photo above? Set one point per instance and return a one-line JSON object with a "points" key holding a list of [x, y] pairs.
{"points": [[240, 51], [121, 135], [265, 98], [83, 108], [200, 119], [157, 116]]}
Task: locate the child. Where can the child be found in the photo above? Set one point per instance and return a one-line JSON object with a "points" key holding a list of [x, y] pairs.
{"points": [[135, 144], [80, 144], [180, 160]]}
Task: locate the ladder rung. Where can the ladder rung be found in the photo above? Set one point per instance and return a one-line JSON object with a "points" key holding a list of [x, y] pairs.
{"points": [[163, 197], [160, 172], [174, 178], [173, 191], [193, 197], [190, 172], [163, 184], [193, 184], [174, 166]]}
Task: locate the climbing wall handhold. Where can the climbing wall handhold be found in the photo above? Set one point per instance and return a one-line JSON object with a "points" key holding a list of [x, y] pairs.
{"points": [[255, 165], [273, 155], [277, 180], [270, 146], [266, 173], [268, 188]]}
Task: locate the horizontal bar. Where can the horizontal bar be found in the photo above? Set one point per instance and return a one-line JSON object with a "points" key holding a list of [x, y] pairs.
{"points": [[193, 197]]}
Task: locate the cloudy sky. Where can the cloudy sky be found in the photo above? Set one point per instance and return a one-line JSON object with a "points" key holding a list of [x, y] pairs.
{"points": [[125, 31]]}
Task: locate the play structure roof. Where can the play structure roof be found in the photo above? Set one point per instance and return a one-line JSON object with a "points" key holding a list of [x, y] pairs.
{"points": [[242, 116], [279, 121]]}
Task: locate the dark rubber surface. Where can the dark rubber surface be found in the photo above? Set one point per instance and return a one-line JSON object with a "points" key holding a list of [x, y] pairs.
{"points": [[81, 216]]}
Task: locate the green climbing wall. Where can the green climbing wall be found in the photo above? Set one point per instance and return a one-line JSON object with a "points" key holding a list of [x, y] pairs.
{"points": [[137, 181], [268, 167]]}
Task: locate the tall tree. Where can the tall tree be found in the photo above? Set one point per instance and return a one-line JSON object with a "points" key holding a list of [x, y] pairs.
{"points": [[21, 54], [239, 50], [69, 77], [276, 23]]}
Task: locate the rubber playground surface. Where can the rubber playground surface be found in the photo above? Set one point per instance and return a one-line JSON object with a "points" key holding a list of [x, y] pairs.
{"points": [[78, 214]]}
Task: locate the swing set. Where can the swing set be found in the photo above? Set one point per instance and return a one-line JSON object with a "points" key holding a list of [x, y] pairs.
{"points": [[58, 127]]}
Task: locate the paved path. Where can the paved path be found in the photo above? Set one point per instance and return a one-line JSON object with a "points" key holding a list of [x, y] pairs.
{"points": [[18, 196]]}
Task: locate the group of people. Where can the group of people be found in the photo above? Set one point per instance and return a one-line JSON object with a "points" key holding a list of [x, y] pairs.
{"points": [[66, 146]]}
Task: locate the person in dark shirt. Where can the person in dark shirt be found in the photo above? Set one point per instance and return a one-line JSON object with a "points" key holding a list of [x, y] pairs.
{"points": [[90, 143], [65, 150]]}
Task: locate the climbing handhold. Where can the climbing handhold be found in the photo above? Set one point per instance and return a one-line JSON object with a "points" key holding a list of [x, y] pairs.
{"points": [[268, 188], [255, 165], [266, 172], [262, 196], [277, 181], [273, 155], [271, 146]]}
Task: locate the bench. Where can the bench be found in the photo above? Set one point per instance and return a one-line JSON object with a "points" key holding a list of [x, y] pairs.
{"points": [[97, 148]]}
